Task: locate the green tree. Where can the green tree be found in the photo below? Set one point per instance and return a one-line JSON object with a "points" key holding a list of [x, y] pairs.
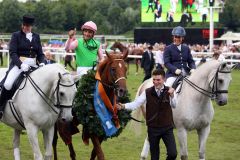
{"points": [[230, 17], [11, 15]]}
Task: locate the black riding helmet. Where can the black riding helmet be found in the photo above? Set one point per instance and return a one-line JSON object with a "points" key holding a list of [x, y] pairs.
{"points": [[179, 31]]}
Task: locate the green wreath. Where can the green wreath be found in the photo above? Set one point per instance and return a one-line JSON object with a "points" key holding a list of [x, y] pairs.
{"points": [[84, 108]]}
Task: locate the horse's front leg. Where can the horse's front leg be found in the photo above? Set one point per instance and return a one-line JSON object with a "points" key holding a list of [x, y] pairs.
{"points": [[145, 149], [72, 152], [16, 142], [97, 150], [54, 143], [202, 139], [48, 139], [32, 132], [182, 138]]}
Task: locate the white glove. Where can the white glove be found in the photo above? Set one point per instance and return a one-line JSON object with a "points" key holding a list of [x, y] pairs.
{"points": [[42, 64], [178, 71], [191, 71], [25, 67]]}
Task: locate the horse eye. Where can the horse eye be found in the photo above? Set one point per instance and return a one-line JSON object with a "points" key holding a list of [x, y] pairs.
{"points": [[220, 81], [61, 94]]}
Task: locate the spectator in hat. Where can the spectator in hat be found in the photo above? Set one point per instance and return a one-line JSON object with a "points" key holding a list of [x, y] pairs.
{"points": [[25, 50], [87, 49], [147, 63]]}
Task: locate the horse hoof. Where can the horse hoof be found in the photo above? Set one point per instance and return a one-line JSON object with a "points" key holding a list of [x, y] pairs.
{"points": [[136, 73], [142, 158]]}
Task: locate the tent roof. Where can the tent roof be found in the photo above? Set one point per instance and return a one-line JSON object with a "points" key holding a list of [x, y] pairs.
{"points": [[229, 36]]}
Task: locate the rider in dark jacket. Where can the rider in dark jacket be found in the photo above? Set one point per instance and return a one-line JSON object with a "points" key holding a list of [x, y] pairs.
{"points": [[25, 50], [177, 57]]}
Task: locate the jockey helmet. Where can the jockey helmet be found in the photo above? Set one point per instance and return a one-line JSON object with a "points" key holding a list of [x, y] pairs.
{"points": [[90, 25], [178, 31]]}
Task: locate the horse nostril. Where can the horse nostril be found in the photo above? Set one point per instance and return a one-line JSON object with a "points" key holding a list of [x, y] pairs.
{"points": [[63, 119]]}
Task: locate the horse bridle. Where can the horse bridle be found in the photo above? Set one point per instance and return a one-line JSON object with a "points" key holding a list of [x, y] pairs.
{"points": [[46, 98], [214, 92], [114, 82]]}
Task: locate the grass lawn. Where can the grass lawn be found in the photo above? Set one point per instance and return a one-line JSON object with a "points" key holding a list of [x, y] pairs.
{"points": [[223, 142]]}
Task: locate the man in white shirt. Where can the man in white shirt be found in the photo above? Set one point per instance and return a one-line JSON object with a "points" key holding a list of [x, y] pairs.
{"points": [[158, 115]]}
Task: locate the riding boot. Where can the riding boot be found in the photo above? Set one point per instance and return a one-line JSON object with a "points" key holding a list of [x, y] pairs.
{"points": [[5, 95]]}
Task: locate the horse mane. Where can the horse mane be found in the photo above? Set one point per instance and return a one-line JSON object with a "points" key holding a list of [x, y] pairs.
{"points": [[207, 67]]}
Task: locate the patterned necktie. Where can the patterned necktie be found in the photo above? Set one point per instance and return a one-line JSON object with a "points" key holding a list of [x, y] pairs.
{"points": [[158, 92]]}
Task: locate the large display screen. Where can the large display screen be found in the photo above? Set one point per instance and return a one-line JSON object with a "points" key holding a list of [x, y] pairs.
{"points": [[176, 11]]}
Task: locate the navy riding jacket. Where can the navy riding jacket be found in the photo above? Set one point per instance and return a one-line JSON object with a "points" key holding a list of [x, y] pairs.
{"points": [[20, 46], [175, 59]]}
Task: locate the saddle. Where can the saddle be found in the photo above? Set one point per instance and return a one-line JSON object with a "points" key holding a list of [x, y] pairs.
{"points": [[16, 84]]}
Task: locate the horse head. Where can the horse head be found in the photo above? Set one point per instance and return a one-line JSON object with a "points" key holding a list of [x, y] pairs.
{"points": [[64, 94], [113, 73], [219, 82]]}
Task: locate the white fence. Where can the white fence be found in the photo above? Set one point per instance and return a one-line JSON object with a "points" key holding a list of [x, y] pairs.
{"points": [[61, 53]]}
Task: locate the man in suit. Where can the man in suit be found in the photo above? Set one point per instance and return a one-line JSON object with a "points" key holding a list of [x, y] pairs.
{"points": [[147, 63], [177, 57], [49, 59]]}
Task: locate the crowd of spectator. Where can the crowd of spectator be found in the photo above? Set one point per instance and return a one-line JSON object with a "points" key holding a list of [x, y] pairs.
{"points": [[158, 49]]}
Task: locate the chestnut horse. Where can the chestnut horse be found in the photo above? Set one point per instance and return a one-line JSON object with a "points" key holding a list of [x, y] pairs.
{"points": [[112, 73], [135, 51]]}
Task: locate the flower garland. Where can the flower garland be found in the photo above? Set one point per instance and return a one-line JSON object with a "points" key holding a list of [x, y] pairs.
{"points": [[84, 109]]}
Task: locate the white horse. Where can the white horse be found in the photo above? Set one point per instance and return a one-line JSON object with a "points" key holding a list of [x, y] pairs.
{"points": [[194, 109], [46, 94]]}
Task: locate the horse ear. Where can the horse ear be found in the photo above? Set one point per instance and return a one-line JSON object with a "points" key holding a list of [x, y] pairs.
{"points": [[125, 54], [59, 75], [107, 54], [76, 78]]}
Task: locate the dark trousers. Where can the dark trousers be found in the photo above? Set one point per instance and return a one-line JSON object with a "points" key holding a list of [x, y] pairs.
{"points": [[166, 134], [148, 74], [68, 63]]}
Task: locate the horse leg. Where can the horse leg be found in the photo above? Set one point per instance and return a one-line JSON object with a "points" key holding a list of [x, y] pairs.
{"points": [[128, 67], [48, 139], [202, 138], [16, 142], [72, 152], [97, 150], [54, 143], [93, 154], [136, 62], [32, 132], [145, 149], [182, 138]]}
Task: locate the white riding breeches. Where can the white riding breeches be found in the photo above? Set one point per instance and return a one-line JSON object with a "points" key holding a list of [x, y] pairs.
{"points": [[169, 82], [83, 70], [15, 72]]}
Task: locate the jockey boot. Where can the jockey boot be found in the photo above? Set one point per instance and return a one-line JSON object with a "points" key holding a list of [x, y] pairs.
{"points": [[5, 95]]}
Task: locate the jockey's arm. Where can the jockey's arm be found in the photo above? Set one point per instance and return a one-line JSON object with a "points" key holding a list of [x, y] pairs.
{"points": [[71, 44], [100, 54]]}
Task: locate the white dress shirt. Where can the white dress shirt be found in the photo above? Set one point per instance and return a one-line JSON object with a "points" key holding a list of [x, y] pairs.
{"points": [[139, 100]]}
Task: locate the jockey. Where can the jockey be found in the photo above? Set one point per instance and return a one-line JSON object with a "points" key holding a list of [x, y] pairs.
{"points": [[24, 49], [87, 48], [177, 57]]}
